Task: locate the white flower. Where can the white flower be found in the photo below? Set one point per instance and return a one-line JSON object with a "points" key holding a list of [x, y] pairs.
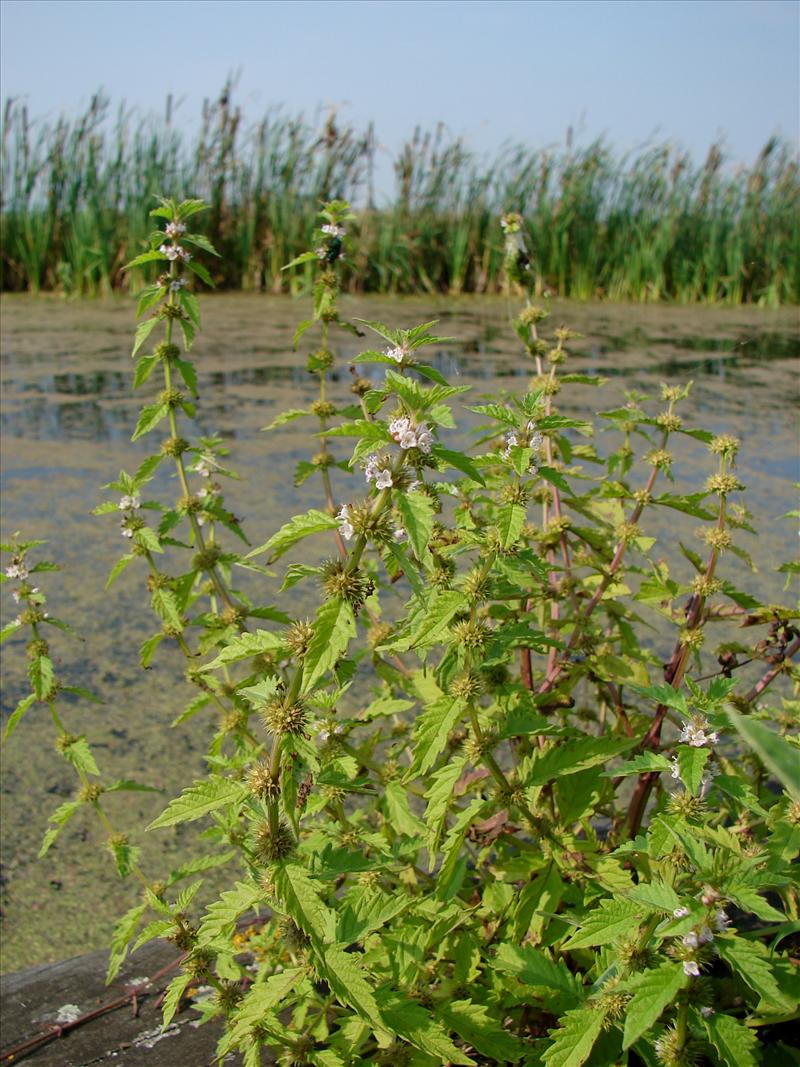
{"points": [[408, 439], [397, 354], [384, 480], [371, 468], [18, 620], [705, 936], [184, 254], [203, 466], [130, 503], [174, 229], [398, 427], [721, 921], [680, 913], [691, 969], [321, 252], [35, 589], [16, 596], [537, 440], [697, 734], [345, 526], [400, 534], [170, 251], [45, 614], [511, 442], [424, 439], [201, 519], [691, 940], [177, 284], [333, 230], [675, 773], [126, 531], [415, 485], [705, 1011], [17, 570]]}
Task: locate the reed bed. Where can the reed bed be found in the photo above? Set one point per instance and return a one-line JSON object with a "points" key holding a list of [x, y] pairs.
{"points": [[651, 225]]}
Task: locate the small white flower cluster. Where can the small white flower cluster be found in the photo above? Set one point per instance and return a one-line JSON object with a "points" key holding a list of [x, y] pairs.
{"points": [[702, 936], [130, 503], [398, 354], [177, 284], [400, 534], [17, 570], [203, 466], [532, 438], [345, 525], [321, 252], [697, 734], [125, 530], [175, 252], [407, 435], [18, 596], [334, 730], [332, 230], [174, 229], [374, 472]]}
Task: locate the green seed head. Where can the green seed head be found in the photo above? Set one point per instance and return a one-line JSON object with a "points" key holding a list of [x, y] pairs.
{"points": [[269, 846]]}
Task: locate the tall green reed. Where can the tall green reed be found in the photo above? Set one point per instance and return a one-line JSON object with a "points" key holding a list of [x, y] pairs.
{"points": [[650, 225]]}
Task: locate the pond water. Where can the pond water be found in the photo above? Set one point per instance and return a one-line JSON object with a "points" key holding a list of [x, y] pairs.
{"points": [[67, 414]]}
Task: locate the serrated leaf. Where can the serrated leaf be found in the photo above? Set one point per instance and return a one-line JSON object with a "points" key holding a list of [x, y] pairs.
{"points": [[777, 755], [750, 960], [573, 1042], [655, 990], [293, 531], [147, 539], [656, 895], [334, 628], [166, 607], [154, 929], [144, 368], [431, 731], [510, 522], [575, 755], [80, 756], [126, 856], [303, 903], [417, 512], [348, 983], [433, 621], [205, 796], [143, 331], [691, 764], [188, 373], [244, 646], [474, 1023], [410, 1020], [438, 795], [220, 918], [400, 816], [147, 649], [605, 923], [150, 416], [286, 416], [645, 761], [460, 462], [16, 715], [59, 818], [734, 1042], [532, 966], [117, 569], [123, 932], [173, 996], [42, 678]]}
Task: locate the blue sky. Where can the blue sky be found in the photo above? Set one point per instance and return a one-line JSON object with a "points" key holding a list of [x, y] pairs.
{"points": [[632, 70]]}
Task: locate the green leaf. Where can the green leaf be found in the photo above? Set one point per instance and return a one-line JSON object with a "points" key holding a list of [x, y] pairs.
{"points": [[286, 416], [531, 966], [431, 731], [166, 607], [125, 855], [573, 1042], [244, 646], [778, 756], [735, 1043], [149, 297], [460, 462], [400, 816], [410, 1020], [691, 764], [438, 795], [433, 622], [750, 960], [348, 983], [205, 796], [303, 903], [80, 756], [575, 755], [220, 918], [42, 678], [417, 512], [117, 569], [656, 895], [146, 538], [334, 627], [605, 923], [478, 1028], [645, 761], [655, 990], [295, 530], [143, 331], [188, 373], [144, 368], [201, 272], [123, 932], [59, 818], [150, 416], [511, 520], [554, 478], [173, 996], [16, 715], [148, 648]]}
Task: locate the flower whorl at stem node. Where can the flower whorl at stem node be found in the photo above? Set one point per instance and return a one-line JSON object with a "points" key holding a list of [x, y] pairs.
{"points": [[280, 717], [207, 559], [272, 845], [298, 637], [723, 484], [467, 686], [175, 446], [352, 586], [262, 783]]}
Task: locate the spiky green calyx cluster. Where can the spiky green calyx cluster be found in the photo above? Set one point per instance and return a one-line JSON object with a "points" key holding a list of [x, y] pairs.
{"points": [[467, 686], [292, 936], [262, 783], [633, 956], [340, 582], [233, 721], [531, 315], [377, 526], [724, 445], [669, 421], [323, 409], [173, 398], [206, 559], [166, 352], [361, 386], [298, 637], [515, 493], [705, 586], [660, 458], [228, 994], [281, 717], [90, 793], [63, 741], [476, 585], [723, 484], [378, 633], [471, 634], [273, 845], [627, 532], [686, 806], [715, 538], [190, 505], [198, 963], [175, 446]]}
